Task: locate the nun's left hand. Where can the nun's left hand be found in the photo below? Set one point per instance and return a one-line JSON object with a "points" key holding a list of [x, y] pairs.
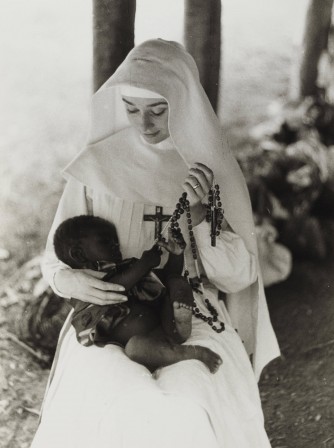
{"points": [[197, 186]]}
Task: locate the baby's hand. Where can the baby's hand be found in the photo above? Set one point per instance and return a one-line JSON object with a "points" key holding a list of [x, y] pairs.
{"points": [[175, 243], [152, 256]]}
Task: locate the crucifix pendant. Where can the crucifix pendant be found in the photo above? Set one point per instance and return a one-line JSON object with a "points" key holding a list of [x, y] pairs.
{"points": [[158, 219]]}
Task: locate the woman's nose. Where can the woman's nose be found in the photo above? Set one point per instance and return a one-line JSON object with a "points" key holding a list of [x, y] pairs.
{"points": [[146, 122]]}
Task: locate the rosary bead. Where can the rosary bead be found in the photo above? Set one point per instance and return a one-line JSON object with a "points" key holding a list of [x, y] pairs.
{"points": [[191, 233], [217, 187]]}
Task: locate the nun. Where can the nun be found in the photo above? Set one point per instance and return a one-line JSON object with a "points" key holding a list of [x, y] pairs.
{"points": [[154, 136]]}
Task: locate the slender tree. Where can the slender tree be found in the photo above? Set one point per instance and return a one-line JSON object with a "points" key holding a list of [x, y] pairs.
{"points": [[203, 41], [317, 25], [113, 36]]}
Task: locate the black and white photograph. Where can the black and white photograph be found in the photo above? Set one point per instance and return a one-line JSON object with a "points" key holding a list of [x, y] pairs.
{"points": [[167, 224]]}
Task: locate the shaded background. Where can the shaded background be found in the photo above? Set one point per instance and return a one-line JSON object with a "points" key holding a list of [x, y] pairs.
{"points": [[46, 79]]}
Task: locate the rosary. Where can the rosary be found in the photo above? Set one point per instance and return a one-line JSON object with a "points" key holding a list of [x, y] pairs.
{"points": [[215, 216]]}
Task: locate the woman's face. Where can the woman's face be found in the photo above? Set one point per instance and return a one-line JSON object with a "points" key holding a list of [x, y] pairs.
{"points": [[149, 116]]}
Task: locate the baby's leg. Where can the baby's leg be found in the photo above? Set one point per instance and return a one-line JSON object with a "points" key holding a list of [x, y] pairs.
{"points": [[154, 350], [141, 320], [177, 309]]}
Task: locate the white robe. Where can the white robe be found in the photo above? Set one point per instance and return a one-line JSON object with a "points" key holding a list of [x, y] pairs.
{"points": [[98, 397]]}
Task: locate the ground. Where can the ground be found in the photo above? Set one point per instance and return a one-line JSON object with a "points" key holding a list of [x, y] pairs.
{"points": [[297, 390], [46, 101]]}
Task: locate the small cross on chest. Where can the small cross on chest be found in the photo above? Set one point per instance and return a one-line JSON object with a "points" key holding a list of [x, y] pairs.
{"points": [[158, 219]]}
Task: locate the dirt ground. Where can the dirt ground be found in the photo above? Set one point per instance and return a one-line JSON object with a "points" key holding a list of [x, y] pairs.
{"points": [[297, 390], [44, 125]]}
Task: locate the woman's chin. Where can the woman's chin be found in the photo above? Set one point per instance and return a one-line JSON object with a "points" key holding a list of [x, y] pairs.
{"points": [[155, 137]]}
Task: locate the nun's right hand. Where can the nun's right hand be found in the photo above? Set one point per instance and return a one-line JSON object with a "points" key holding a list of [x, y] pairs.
{"points": [[86, 285]]}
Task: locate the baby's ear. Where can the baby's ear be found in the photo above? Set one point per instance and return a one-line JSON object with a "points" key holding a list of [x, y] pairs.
{"points": [[77, 254]]}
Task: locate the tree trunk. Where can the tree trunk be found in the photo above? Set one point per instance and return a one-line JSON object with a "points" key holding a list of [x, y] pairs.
{"points": [[203, 41], [113, 36], [317, 24]]}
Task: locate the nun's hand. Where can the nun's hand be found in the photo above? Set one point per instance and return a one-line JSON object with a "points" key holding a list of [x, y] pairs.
{"points": [[86, 285], [197, 186]]}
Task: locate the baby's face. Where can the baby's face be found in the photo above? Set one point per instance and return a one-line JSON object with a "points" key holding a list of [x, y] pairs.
{"points": [[102, 245]]}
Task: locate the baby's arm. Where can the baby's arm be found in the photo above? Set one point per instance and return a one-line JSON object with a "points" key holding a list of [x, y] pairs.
{"points": [[175, 245], [130, 276]]}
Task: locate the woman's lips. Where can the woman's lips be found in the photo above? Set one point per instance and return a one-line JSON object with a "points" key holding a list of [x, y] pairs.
{"points": [[151, 135]]}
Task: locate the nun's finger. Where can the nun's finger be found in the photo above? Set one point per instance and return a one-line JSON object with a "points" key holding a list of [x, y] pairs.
{"points": [[201, 178], [195, 187], [207, 171], [192, 196]]}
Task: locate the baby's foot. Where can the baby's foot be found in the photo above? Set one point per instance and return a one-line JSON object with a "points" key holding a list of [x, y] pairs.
{"points": [[208, 357], [181, 296], [182, 317]]}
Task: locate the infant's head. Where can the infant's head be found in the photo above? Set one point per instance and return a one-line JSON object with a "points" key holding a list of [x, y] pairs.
{"points": [[84, 241]]}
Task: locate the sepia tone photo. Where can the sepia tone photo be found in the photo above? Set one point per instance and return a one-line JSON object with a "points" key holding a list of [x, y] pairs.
{"points": [[167, 222]]}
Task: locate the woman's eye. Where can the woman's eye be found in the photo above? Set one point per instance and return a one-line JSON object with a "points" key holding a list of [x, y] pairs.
{"points": [[158, 112], [132, 111]]}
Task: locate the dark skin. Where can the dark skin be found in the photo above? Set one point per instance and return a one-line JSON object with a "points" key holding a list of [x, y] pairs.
{"points": [[151, 337]]}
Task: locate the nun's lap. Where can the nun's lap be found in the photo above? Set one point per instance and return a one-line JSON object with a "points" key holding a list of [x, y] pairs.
{"points": [[99, 397]]}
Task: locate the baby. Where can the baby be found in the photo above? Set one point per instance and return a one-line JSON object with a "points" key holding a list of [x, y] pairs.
{"points": [[156, 318]]}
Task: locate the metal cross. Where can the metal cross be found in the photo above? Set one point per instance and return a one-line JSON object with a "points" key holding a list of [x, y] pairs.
{"points": [[158, 219]]}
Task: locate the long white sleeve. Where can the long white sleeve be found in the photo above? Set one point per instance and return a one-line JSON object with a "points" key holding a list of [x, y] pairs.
{"points": [[73, 202], [229, 265]]}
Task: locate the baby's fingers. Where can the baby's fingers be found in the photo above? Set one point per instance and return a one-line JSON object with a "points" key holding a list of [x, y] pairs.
{"points": [[162, 243]]}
